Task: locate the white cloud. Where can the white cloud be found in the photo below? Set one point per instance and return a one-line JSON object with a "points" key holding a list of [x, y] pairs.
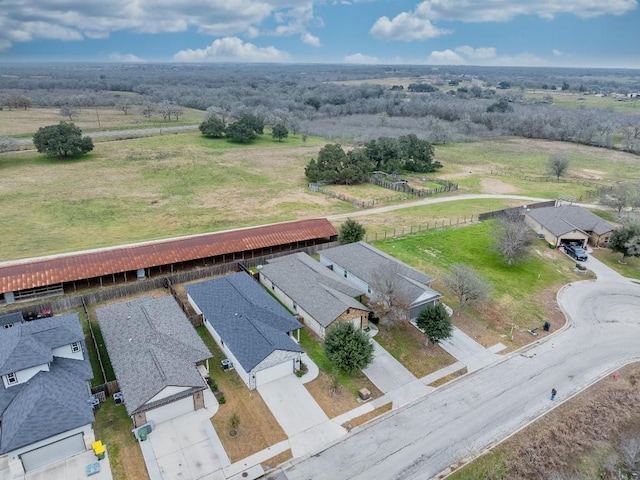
{"points": [[232, 49], [125, 58], [503, 10], [406, 27], [309, 39], [360, 58], [556, 52], [419, 23], [445, 57], [23, 21], [466, 55], [476, 53]]}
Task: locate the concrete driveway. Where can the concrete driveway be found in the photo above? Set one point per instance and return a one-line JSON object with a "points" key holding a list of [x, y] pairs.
{"points": [[466, 350], [393, 379], [463, 418], [186, 447], [301, 418]]}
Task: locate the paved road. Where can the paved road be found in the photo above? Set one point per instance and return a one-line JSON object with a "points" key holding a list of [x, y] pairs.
{"points": [[119, 133], [464, 417]]}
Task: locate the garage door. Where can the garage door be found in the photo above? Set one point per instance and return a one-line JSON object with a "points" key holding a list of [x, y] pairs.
{"points": [[172, 410], [53, 452], [273, 373]]}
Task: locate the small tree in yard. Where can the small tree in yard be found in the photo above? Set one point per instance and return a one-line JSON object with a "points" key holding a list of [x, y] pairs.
{"points": [[435, 323], [621, 196], [557, 166], [348, 348], [279, 132], [241, 133], [68, 111], [234, 423], [351, 231], [387, 303], [467, 285], [626, 240], [62, 141], [513, 236]]}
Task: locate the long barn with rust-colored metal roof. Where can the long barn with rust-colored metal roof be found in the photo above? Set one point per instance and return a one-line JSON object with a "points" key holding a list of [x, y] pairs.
{"points": [[219, 247]]}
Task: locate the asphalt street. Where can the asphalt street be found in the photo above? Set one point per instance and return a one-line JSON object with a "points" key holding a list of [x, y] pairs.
{"points": [[461, 419]]}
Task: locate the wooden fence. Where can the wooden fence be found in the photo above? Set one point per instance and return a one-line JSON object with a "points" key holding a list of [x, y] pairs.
{"points": [[402, 186], [515, 210], [423, 227], [531, 178]]}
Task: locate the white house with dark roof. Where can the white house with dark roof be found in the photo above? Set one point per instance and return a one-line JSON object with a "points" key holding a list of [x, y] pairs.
{"points": [[45, 411], [316, 294], [368, 268], [250, 326], [569, 223], [154, 351]]}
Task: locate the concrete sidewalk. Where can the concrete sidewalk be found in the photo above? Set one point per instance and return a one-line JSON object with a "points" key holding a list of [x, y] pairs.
{"points": [[466, 350]]}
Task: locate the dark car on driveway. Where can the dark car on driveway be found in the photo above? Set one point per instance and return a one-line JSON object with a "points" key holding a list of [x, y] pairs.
{"points": [[576, 252]]}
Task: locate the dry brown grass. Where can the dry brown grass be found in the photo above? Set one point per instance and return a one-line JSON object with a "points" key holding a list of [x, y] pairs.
{"points": [[20, 122], [258, 428], [340, 401], [362, 419], [448, 378], [408, 345], [113, 427], [276, 460], [575, 431]]}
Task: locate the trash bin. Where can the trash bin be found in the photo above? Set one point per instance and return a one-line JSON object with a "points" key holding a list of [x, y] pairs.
{"points": [[142, 433], [546, 327], [552, 245]]}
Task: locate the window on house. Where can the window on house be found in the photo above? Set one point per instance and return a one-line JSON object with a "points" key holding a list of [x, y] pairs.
{"points": [[12, 378], [273, 287], [295, 307], [75, 347], [345, 274], [8, 325], [369, 290]]}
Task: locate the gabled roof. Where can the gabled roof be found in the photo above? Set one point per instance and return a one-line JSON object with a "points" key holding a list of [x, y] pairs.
{"points": [[51, 402], [30, 273], [369, 264], [566, 218], [29, 344], [152, 346], [11, 318], [319, 291], [250, 322]]}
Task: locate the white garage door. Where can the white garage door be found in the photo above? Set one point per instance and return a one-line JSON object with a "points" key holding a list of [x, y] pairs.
{"points": [[172, 410], [273, 373], [53, 452]]}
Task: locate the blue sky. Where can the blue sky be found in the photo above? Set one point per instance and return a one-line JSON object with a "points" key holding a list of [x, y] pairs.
{"points": [[572, 33]]}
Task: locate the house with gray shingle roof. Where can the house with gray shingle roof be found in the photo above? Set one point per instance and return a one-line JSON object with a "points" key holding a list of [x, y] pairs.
{"points": [[370, 269], [316, 294], [154, 351], [45, 409], [569, 223], [252, 329]]}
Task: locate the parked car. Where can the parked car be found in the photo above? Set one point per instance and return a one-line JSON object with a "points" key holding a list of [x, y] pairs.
{"points": [[576, 252]]}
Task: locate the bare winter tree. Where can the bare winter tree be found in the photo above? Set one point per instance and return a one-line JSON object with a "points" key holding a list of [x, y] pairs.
{"points": [[147, 110], [621, 196], [557, 165], [125, 105], [386, 297], [68, 111], [7, 144], [467, 285], [513, 237], [629, 451]]}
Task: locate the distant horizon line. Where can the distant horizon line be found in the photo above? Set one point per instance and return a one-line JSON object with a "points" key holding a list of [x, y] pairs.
{"points": [[291, 64]]}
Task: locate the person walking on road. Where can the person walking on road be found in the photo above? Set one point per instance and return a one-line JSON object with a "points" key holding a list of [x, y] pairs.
{"points": [[553, 393]]}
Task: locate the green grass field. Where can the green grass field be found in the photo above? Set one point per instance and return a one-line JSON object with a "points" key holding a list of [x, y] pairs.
{"points": [[153, 188], [515, 288], [176, 184]]}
